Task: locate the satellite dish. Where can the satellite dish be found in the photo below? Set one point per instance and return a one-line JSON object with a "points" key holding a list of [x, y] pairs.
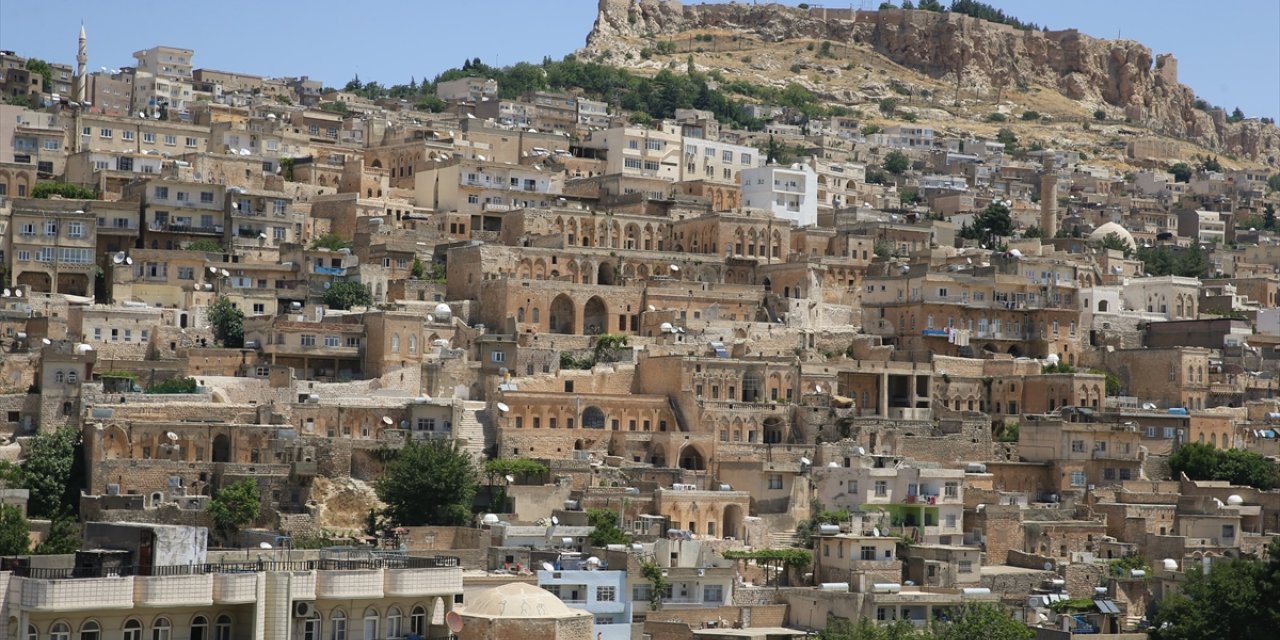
{"points": [[875, 531], [431, 318], [502, 406], [213, 270], [1048, 566], [833, 464], [7, 292], [17, 293], [264, 545], [171, 436], [387, 420], [262, 236], [555, 521], [652, 308], [805, 461], [118, 258], [226, 274], [510, 478], [46, 341], [861, 451], [675, 267], [128, 260], [454, 621], [817, 388], [547, 566]]}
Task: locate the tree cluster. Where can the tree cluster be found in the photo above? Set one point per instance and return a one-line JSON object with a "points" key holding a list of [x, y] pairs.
{"points": [[1235, 599], [990, 223], [345, 294], [227, 323], [63, 189], [1165, 261], [968, 622], [606, 530], [428, 483], [1237, 466], [234, 506]]}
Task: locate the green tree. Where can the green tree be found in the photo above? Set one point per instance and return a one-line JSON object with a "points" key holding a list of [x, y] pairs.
{"points": [[15, 532], [173, 385], [1236, 115], [1273, 182], [330, 241], [63, 189], [1204, 462], [868, 629], [1236, 598], [227, 323], [896, 162], [606, 530], [234, 506], [429, 483], [345, 294], [1211, 164], [1099, 115], [64, 537], [36, 65], [909, 195], [982, 620], [1030, 115], [1181, 172], [206, 245], [990, 223], [1033, 231], [658, 583], [1115, 242], [419, 270], [888, 106], [1006, 137], [607, 346], [49, 472]]}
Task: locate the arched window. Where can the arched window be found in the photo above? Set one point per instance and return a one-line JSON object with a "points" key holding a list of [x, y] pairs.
{"points": [[222, 628], [132, 630], [311, 627], [59, 376], [371, 624], [537, 315], [161, 630], [72, 377], [90, 631], [413, 344], [337, 625], [60, 631], [32, 632], [199, 628], [395, 343], [520, 314], [393, 622], [418, 620]]}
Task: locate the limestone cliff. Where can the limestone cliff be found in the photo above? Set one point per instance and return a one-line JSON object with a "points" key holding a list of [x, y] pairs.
{"points": [[1120, 74]]}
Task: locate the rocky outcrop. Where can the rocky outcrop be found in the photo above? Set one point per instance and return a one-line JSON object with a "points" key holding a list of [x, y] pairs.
{"points": [[1119, 75]]}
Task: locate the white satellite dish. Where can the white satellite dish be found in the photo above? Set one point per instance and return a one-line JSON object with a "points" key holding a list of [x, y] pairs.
{"points": [[128, 260], [652, 308], [46, 341], [172, 436], [502, 406], [118, 258], [861, 451], [262, 236], [805, 461], [510, 478], [875, 531], [387, 420], [17, 293], [833, 464], [555, 521], [226, 274], [431, 318], [547, 566], [213, 270], [817, 388], [264, 545], [7, 292], [675, 267]]}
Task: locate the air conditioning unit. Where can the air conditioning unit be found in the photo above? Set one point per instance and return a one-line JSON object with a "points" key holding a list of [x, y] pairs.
{"points": [[303, 609]]}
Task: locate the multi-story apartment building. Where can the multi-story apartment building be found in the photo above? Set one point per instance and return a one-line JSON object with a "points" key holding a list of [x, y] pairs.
{"points": [[110, 93], [34, 137], [467, 90], [1082, 451], [162, 77], [16, 81], [51, 246], [107, 172], [137, 135], [789, 193], [474, 186], [600, 591], [177, 213], [641, 152], [922, 502], [262, 219], [718, 162]]}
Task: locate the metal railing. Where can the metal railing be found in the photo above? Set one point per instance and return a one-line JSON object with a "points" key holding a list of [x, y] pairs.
{"points": [[328, 564]]}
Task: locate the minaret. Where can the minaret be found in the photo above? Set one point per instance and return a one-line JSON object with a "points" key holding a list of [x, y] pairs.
{"points": [[1049, 198], [82, 67]]}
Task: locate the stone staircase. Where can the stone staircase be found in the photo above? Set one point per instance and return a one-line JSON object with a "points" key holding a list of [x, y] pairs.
{"points": [[782, 539], [472, 428]]}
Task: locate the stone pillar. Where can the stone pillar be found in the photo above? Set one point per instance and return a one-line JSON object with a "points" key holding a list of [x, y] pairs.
{"points": [[1048, 199], [884, 395]]}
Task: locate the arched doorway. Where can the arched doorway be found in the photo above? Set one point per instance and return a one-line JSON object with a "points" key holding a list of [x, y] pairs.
{"points": [[221, 448], [592, 418], [605, 274], [732, 520], [692, 459], [562, 314], [595, 317]]}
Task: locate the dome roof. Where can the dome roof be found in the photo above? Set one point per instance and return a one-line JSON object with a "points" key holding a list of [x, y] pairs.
{"points": [[518, 600], [1109, 228]]}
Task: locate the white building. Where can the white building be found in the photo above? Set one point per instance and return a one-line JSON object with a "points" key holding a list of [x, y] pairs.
{"points": [[923, 502], [789, 193], [602, 593], [162, 77]]}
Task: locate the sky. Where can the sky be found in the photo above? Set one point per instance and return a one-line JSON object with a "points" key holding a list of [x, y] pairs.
{"points": [[1230, 54]]}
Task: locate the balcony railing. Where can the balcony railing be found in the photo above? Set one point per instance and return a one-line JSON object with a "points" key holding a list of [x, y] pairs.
{"points": [[326, 564]]}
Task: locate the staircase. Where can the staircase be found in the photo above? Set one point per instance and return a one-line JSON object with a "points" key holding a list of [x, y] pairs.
{"points": [[783, 539], [472, 428]]}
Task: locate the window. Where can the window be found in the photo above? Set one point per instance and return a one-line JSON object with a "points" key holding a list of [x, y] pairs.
{"points": [[371, 624], [186, 273], [161, 630], [51, 144], [206, 197], [50, 228], [1077, 446], [353, 342], [307, 340], [331, 341], [395, 343], [126, 136], [171, 140], [775, 481], [1168, 433], [631, 163], [200, 628], [655, 145], [606, 594], [104, 133], [148, 137], [311, 627], [393, 622], [1077, 478], [191, 142], [91, 630], [1228, 531], [162, 193], [75, 230], [182, 196], [951, 489], [337, 625], [713, 593], [746, 158], [726, 156], [498, 356], [966, 566], [418, 620], [882, 488], [60, 631], [641, 592]]}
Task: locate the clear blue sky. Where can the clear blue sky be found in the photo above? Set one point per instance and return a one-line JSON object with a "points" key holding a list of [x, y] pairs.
{"points": [[1228, 51]]}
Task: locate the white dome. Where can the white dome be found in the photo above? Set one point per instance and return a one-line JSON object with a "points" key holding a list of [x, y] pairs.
{"points": [[1234, 500], [1109, 228], [443, 311], [1170, 564], [518, 600], [1053, 358]]}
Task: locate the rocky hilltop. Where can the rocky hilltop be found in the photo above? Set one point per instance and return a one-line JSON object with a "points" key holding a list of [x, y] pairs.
{"points": [[1121, 75]]}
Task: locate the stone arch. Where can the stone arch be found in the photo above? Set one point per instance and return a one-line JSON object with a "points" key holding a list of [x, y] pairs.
{"points": [[221, 448], [562, 314], [1103, 306], [115, 443], [692, 458], [731, 522], [595, 316], [606, 274], [593, 418]]}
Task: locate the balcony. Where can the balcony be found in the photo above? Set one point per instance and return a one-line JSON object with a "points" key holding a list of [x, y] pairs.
{"points": [[188, 229], [415, 583], [329, 271], [235, 588], [76, 594], [350, 585], [173, 591]]}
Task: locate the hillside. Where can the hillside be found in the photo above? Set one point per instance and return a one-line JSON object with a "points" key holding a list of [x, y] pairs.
{"points": [[951, 70]]}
